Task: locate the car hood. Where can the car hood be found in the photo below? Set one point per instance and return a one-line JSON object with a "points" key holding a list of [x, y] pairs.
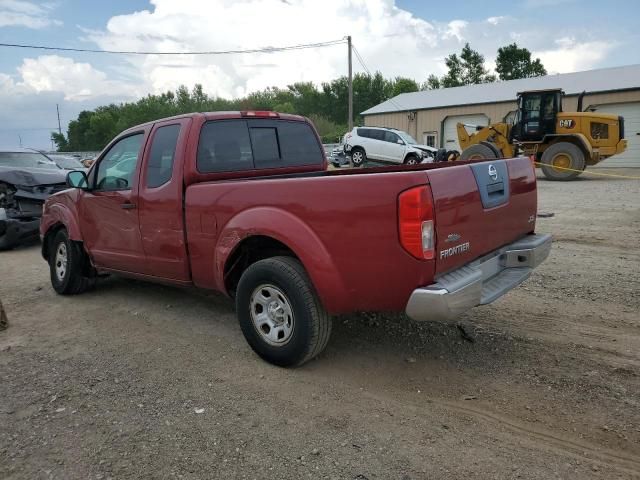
{"points": [[31, 177], [425, 148]]}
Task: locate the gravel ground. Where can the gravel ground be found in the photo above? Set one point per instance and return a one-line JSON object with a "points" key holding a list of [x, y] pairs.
{"points": [[135, 380]]}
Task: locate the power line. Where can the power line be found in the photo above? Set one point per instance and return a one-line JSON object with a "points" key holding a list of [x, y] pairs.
{"points": [[214, 52], [360, 59]]}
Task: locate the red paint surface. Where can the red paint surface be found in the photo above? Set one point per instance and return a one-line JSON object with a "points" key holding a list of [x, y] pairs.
{"points": [[342, 225]]}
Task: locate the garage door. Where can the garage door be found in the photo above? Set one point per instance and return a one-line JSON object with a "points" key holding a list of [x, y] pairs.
{"points": [[450, 132], [631, 114]]}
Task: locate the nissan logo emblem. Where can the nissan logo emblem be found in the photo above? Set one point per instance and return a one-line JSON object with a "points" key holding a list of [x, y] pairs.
{"points": [[493, 173]]}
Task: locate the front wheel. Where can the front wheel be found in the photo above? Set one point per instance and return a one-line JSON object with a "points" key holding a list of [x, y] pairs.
{"points": [[411, 160], [279, 312], [478, 152], [563, 161], [69, 266], [358, 157]]}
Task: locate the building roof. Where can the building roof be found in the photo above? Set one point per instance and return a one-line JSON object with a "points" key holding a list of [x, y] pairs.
{"points": [[591, 81]]}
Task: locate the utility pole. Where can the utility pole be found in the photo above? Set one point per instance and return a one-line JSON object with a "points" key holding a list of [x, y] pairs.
{"points": [[350, 86], [58, 112]]}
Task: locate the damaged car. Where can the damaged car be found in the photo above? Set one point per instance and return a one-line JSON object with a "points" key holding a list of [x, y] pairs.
{"points": [[27, 179]]}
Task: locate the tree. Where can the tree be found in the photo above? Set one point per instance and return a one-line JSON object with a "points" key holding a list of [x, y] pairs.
{"points": [[466, 69], [432, 83], [403, 85], [61, 142], [514, 62]]}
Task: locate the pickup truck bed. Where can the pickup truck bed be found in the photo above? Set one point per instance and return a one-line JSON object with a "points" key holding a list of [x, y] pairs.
{"points": [[242, 203]]}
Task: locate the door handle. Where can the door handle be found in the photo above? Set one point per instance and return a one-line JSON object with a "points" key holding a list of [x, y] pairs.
{"points": [[128, 206]]}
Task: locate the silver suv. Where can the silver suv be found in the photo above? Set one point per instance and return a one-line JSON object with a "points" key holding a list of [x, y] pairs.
{"points": [[385, 145]]}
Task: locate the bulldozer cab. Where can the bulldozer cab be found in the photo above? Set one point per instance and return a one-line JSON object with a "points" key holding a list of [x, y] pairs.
{"points": [[536, 116]]}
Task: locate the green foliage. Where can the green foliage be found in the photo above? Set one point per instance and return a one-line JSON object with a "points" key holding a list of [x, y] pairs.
{"points": [[327, 106], [61, 142], [464, 69], [432, 83], [514, 62]]}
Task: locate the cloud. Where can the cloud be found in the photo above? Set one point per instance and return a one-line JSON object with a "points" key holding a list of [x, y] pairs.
{"points": [[29, 98], [571, 55], [456, 28], [77, 81], [390, 39], [26, 14], [496, 20]]}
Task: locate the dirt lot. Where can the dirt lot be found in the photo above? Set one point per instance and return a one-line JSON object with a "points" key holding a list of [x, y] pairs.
{"points": [[109, 384]]}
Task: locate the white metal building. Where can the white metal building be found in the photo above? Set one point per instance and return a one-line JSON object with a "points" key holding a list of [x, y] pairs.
{"points": [[431, 116]]}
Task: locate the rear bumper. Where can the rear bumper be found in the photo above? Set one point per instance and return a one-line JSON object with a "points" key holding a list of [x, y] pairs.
{"points": [[479, 282], [14, 231]]}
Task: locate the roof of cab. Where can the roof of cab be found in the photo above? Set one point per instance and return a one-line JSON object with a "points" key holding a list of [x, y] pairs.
{"points": [[219, 116]]}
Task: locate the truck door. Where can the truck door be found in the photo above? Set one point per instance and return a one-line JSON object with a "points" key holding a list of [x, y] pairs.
{"points": [[108, 211], [160, 201]]}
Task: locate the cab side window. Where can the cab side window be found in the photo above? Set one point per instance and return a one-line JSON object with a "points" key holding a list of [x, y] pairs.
{"points": [[163, 150], [116, 169]]}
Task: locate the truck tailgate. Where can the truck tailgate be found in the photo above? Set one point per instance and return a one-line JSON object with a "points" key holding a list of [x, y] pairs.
{"points": [[480, 207]]}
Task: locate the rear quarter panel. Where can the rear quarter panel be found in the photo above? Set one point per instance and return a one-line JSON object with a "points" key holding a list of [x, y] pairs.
{"points": [[343, 228]]}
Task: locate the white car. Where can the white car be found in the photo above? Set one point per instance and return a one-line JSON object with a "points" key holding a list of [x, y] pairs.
{"points": [[386, 145]]}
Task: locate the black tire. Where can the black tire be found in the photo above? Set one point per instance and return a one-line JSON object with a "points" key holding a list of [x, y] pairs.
{"points": [[411, 160], [572, 157], [77, 276], [478, 152], [5, 244], [358, 157], [310, 323]]}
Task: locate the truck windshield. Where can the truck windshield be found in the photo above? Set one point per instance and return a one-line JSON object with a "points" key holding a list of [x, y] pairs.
{"points": [[26, 160]]}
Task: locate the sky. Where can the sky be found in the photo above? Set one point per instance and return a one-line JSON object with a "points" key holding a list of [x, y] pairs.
{"points": [[397, 37]]}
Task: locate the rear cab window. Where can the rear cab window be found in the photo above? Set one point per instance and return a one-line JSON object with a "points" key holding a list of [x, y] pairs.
{"points": [[239, 144]]}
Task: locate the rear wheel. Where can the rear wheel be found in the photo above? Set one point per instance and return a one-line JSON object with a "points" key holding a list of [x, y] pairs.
{"points": [[478, 152], [279, 312], [69, 266], [358, 157], [563, 161]]}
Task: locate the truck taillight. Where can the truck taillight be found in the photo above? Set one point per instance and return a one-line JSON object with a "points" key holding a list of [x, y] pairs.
{"points": [[259, 113], [415, 222]]}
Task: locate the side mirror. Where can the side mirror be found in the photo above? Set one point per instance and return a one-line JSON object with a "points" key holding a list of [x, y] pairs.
{"points": [[399, 141], [77, 179]]}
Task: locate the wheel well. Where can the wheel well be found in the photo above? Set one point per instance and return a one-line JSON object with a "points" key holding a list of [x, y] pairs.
{"points": [[51, 233], [248, 252], [410, 154]]}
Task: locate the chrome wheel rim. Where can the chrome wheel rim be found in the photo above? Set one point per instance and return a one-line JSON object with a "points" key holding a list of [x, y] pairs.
{"points": [[412, 161], [272, 315], [357, 158], [61, 261]]}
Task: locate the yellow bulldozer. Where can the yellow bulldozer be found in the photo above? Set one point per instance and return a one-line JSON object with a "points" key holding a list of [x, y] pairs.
{"points": [[563, 143]]}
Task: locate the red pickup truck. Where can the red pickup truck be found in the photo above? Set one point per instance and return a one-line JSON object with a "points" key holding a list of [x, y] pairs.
{"points": [[243, 203]]}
